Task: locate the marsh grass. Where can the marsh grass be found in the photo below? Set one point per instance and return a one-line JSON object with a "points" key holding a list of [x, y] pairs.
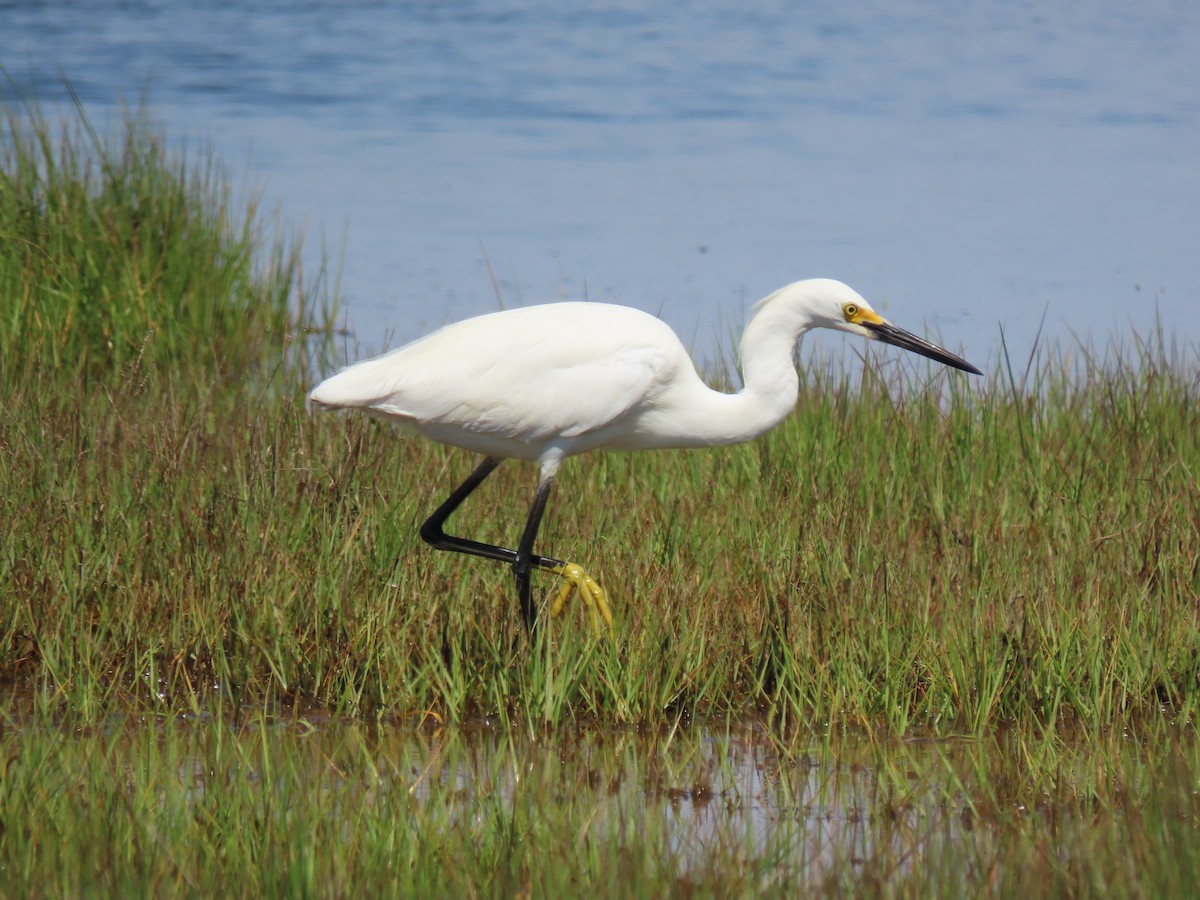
{"points": [[117, 252], [960, 615], [911, 550], [945, 561], [245, 804]]}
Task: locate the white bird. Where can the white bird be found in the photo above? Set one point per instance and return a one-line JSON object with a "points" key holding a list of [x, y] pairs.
{"points": [[542, 383]]}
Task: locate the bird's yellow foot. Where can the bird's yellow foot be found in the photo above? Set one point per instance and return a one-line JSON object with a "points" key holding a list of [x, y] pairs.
{"points": [[589, 591]]}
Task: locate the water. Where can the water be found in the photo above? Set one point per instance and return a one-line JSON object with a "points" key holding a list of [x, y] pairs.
{"points": [[693, 793], [964, 166]]}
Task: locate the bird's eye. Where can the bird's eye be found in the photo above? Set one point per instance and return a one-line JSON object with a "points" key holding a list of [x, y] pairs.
{"points": [[849, 311]]}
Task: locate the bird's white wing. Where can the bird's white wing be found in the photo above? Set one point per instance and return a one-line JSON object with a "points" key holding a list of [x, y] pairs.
{"points": [[529, 374]]}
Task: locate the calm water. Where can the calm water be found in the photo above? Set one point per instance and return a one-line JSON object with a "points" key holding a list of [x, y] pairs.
{"points": [[963, 165], [693, 792]]}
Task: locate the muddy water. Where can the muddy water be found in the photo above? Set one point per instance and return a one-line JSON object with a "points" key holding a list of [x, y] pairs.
{"points": [[816, 806], [702, 795]]}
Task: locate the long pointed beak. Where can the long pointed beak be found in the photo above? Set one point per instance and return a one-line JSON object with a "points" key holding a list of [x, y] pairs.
{"points": [[898, 337]]}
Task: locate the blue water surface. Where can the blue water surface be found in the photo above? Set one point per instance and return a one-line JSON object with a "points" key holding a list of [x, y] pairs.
{"points": [[965, 166]]}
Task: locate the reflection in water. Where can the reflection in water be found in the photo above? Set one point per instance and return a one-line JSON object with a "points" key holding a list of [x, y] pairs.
{"points": [[743, 806], [709, 797]]}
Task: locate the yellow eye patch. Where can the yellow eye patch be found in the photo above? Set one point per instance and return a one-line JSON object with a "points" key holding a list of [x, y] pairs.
{"points": [[856, 315]]}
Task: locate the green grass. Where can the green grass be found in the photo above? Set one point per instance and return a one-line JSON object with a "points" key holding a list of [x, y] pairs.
{"points": [[116, 252], [909, 550], [943, 562], [969, 606], [251, 805]]}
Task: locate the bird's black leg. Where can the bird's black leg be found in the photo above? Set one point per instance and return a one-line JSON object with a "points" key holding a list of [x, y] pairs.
{"points": [[433, 534], [525, 558]]}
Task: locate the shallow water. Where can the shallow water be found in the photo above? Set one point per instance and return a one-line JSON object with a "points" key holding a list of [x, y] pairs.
{"points": [[796, 806], [705, 796], [701, 792], [966, 167]]}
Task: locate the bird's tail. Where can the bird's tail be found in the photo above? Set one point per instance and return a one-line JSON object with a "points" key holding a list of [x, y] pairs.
{"points": [[355, 387], [312, 405]]}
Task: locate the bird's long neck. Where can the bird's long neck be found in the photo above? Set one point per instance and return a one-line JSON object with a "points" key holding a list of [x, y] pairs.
{"points": [[768, 367], [701, 416], [767, 351]]}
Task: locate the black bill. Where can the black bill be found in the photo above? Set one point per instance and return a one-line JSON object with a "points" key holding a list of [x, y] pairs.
{"points": [[898, 337]]}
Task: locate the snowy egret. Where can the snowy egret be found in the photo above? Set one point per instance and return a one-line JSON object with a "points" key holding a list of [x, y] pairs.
{"points": [[542, 383]]}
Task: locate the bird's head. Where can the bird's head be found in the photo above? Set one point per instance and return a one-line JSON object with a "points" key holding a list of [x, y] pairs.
{"points": [[832, 304]]}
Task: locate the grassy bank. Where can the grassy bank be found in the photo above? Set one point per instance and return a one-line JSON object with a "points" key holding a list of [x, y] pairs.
{"points": [[932, 636], [902, 554], [944, 562], [248, 805], [118, 253]]}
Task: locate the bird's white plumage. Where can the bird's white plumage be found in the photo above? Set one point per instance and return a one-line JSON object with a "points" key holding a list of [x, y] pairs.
{"points": [[545, 382], [510, 382]]}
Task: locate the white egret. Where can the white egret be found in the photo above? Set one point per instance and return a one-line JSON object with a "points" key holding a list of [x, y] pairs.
{"points": [[542, 383]]}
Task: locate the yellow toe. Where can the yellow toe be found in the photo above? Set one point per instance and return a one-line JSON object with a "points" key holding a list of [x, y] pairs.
{"points": [[576, 579]]}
